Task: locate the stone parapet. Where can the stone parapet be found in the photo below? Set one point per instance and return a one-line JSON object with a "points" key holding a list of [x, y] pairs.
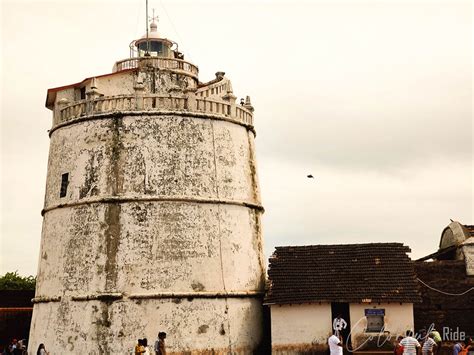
{"points": [[152, 103]]}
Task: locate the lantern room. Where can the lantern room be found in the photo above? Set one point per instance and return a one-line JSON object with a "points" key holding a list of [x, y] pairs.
{"points": [[152, 44]]}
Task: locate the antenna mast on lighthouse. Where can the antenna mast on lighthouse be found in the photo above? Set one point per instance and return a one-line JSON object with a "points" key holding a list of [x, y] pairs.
{"points": [[146, 24]]}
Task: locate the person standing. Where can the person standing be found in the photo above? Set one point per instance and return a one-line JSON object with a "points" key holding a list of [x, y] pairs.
{"points": [[335, 345], [467, 349], [429, 345], [457, 348], [41, 350], [436, 336], [338, 325], [398, 350], [410, 345], [145, 346], [139, 348], [160, 348]]}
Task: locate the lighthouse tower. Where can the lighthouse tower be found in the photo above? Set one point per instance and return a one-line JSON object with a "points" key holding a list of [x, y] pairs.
{"points": [[152, 214]]}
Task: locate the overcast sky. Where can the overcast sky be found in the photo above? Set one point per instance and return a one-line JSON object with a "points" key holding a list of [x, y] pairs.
{"points": [[372, 98]]}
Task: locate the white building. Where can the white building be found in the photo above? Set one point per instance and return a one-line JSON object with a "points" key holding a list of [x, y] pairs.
{"points": [[152, 212], [372, 287]]}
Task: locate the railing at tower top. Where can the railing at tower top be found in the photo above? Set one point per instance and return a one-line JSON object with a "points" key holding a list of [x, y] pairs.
{"points": [[152, 102], [158, 62], [238, 113], [219, 88]]}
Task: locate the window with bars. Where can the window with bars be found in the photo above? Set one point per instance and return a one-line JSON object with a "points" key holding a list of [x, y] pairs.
{"points": [[375, 323]]}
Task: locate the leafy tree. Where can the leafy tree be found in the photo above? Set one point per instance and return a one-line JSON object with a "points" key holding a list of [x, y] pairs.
{"points": [[13, 281]]}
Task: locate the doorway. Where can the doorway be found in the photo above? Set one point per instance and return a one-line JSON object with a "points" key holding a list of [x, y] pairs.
{"points": [[343, 323]]}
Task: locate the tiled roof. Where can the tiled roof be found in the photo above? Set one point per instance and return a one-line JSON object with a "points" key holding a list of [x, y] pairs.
{"points": [[377, 272]]}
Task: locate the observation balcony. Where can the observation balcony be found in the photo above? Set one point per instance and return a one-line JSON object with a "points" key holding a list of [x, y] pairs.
{"points": [[176, 65], [192, 104]]}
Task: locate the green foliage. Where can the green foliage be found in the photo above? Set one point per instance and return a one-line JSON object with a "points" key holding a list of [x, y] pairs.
{"points": [[13, 281]]}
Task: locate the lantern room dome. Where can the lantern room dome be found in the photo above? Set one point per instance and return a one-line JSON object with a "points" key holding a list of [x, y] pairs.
{"points": [[152, 44]]}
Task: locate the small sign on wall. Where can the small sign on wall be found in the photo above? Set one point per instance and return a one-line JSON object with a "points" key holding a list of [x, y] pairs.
{"points": [[374, 312]]}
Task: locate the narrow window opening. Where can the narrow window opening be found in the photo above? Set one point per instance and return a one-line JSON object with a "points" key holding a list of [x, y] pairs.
{"points": [[83, 93], [64, 183]]}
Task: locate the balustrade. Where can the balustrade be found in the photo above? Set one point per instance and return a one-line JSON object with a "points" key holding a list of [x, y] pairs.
{"points": [[163, 63], [153, 103]]}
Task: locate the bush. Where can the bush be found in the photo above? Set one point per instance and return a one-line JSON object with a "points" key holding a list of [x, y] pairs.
{"points": [[13, 281]]}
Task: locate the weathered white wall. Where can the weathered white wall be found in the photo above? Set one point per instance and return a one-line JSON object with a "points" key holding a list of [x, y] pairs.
{"points": [[306, 327], [197, 325], [300, 327], [398, 319], [160, 211]]}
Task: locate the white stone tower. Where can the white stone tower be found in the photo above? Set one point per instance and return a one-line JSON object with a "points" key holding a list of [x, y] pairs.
{"points": [[152, 214]]}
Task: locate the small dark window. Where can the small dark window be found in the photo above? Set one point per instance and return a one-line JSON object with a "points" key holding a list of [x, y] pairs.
{"points": [[64, 183], [83, 93]]}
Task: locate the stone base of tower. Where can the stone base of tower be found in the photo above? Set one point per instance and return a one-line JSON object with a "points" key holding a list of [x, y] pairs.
{"points": [[193, 325]]}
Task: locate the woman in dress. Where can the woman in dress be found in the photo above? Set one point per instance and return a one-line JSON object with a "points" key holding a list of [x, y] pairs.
{"points": [[41, 350]]}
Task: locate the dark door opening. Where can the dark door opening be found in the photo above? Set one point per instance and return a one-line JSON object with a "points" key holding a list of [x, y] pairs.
{"points": [[341, 322]]}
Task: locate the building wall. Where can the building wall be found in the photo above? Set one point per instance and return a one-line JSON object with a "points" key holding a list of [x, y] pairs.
{"points": [[445, 311], [160, 230], [398, 319], [301, 328], [304, 329]]}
